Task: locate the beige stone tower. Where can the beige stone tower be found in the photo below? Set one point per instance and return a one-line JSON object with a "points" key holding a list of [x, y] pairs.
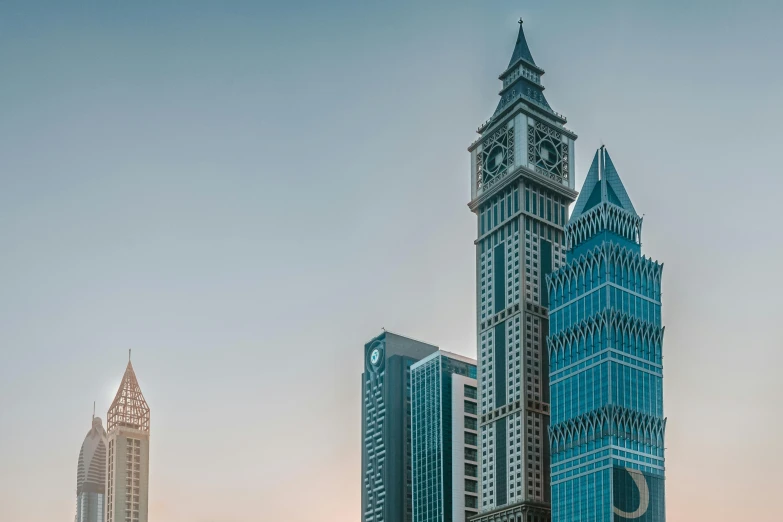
{"points": [[127, 463]]}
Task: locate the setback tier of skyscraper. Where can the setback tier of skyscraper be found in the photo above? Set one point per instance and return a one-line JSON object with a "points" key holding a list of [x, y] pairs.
{"points": [[606, 363]]}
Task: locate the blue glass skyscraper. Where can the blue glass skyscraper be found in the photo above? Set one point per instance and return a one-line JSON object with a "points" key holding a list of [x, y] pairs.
{"points": [[605, 363], [444, 426]]}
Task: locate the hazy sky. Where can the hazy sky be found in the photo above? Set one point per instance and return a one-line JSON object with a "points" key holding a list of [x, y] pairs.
{"points": [[245, 194]]}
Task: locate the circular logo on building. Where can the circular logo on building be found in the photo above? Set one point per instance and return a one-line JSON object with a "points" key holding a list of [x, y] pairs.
{"points": [[375, 356]]}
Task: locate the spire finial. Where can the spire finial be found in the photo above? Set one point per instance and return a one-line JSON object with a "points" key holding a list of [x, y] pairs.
{"points": [[520, 21], [129, 354], [93, 411]]}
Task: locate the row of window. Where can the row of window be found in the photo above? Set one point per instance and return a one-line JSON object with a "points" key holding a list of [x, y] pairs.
{"points": [[536, 485], [513, 355], [607, 383], [603, 298], [589, 275], [540, 203]]}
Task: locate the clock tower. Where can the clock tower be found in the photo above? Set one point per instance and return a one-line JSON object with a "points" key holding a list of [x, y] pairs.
{"points": [[522, 182]]}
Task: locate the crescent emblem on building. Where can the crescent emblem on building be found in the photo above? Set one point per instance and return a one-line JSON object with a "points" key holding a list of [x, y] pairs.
{"points": [[644, 496]]}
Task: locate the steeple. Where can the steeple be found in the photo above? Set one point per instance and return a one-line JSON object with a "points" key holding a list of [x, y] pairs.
{"points": [[523, 132], [603, 212], [129, 408], [521, 50], [522, 77], [602, 185]]}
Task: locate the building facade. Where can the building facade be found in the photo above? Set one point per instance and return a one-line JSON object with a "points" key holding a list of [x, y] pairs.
{"points": [[522, 182], [386, 431], [605, 363], [444, 427], [128, 422], [91, 475]]}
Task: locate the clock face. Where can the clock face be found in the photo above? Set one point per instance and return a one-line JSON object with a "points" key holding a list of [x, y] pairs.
{"points": [[495, 160], [547, 152], [375, 356], [496, 156], [548, 156]]}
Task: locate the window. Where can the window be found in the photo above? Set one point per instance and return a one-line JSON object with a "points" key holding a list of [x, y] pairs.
{"points": [[471, 454]]}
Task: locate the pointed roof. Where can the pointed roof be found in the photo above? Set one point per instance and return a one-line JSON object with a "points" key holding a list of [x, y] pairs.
{"points": [[129, 408], [602, 185], [521, 50], [527, 83]]}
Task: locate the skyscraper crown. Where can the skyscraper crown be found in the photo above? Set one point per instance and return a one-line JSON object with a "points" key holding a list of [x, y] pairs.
{"points": [[91, 471], [522, 79], [602, 185], [603, 210], [129, 409], [521, 50]]}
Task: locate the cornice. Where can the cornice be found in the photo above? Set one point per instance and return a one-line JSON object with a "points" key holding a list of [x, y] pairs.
{"points": [[528, 64], [525, 172], [494, 515]]}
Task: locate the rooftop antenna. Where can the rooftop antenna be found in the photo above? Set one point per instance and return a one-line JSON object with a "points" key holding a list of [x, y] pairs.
{"points": [[601, 161], [93, 411]]}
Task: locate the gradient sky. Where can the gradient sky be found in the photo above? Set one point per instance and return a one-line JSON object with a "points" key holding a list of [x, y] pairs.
{"points": [[245, 194]]}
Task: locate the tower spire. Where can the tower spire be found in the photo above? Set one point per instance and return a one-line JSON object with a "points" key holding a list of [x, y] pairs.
{"points": [[129, 408], [521, 50], [602, 185], [522, 77]]}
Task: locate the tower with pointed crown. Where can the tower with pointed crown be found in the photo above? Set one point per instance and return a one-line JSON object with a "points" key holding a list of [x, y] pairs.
{"points": [[605, 363], [522, 182], [127, 469], [91, 475]]}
